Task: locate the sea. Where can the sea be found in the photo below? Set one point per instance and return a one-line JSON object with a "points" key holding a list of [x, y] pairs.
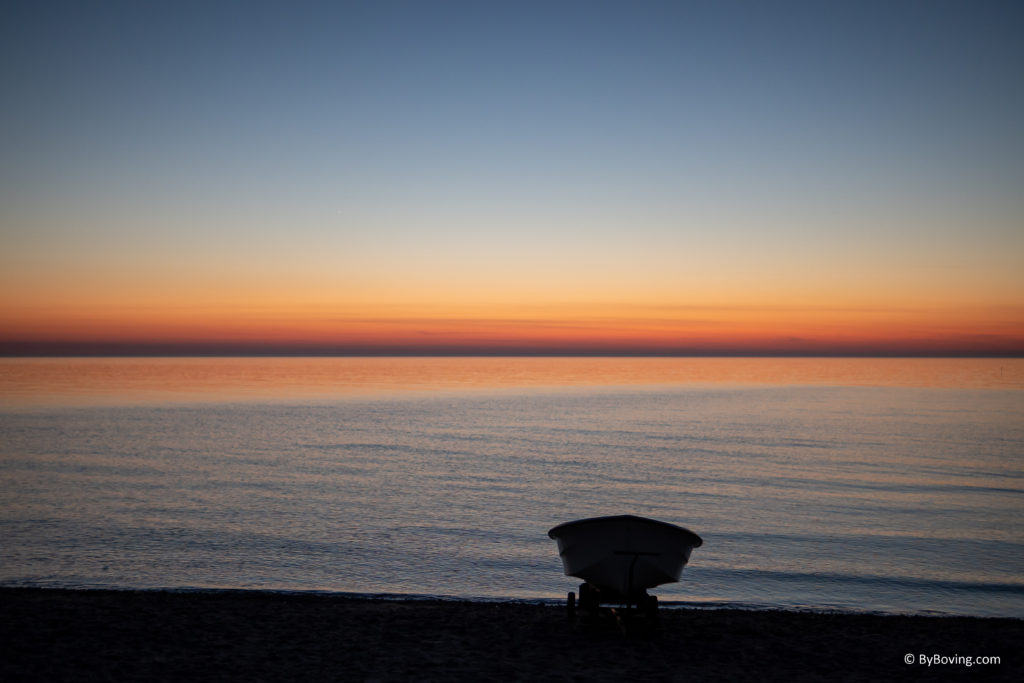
{"points": [[889, 486]]}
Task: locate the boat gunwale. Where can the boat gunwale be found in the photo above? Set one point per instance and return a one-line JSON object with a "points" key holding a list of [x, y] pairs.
{"points": [[553, 533]]}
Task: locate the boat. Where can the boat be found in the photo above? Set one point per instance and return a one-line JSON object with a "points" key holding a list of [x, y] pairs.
{"points": [[621, 556]]}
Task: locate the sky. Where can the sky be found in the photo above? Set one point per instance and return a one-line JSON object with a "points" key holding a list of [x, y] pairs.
{"points": [[512, 177]]}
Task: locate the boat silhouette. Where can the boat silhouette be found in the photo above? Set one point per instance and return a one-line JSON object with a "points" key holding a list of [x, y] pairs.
{"points": [[620, 557]]}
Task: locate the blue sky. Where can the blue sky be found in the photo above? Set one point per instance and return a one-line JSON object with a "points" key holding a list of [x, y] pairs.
{"points": [[513, 142]]}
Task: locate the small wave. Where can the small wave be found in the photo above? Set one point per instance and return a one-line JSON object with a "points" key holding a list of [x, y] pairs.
{"points": [[902, 582]]}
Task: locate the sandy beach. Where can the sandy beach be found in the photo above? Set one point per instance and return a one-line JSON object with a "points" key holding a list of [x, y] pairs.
{"points": [[85, 635]]}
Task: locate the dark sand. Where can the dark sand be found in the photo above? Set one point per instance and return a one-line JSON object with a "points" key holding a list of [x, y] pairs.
{"points": [[254, 636]]}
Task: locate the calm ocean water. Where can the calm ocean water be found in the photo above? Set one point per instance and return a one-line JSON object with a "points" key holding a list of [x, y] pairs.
{"points": [[865, 485]]}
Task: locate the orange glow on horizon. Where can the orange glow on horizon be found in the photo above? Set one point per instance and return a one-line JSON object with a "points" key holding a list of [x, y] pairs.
{"points": [[569, 329]]}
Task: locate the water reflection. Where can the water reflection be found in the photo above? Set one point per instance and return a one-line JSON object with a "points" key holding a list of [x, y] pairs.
{"points": [[87, 381]]}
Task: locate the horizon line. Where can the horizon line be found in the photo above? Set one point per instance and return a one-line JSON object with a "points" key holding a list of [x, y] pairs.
{"points": [[170, 353], [792, 347]]}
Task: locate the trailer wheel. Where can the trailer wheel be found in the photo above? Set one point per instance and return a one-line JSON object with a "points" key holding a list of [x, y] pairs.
{"points": [[588, 600], [651, 614]]}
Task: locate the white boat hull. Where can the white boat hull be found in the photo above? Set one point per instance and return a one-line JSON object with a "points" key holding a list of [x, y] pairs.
{"points": [[625, 554]]}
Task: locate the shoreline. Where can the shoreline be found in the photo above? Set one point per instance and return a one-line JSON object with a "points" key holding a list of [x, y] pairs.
{"points": [[551, 602], [235, 635]]}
